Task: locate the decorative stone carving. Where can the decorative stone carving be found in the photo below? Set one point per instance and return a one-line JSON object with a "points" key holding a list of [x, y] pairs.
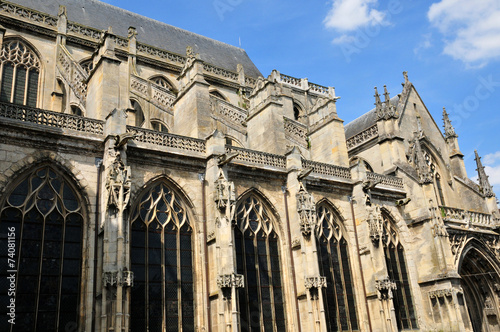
{"points": [[385, 287], [118, 278], [484, 183], [307, 210], [448, 292], [385, 110], [190, 58], [315, 282], [224, 197], [210, 236], [449, 131], [376, 225], [118, 183], [230, 280], [489, 307], [438, 227], [110, 278], [417, 158], [296, 243]]}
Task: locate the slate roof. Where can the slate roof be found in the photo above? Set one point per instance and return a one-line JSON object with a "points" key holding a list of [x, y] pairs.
{"points": [[365, 121], [99, 15]]}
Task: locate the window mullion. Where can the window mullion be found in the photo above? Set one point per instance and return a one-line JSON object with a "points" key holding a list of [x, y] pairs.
{"points": [[58, 313], [14, 76], [146, 273], [179, 284], [271, 285]]}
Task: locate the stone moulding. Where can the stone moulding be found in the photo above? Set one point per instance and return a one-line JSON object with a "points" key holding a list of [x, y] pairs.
{"points": [[362, 137], [448, 292], [230, 280], [51, 119]]}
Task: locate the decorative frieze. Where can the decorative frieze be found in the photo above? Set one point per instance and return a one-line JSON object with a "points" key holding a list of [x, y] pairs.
{"points": [[385, 288], [307, 211], [153, 51], [316, 282], [230, 281], [28, 14], [211, 69]]}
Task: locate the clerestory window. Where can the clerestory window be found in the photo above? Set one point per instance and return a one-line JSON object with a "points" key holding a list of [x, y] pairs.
{"points": [[20, 73]]}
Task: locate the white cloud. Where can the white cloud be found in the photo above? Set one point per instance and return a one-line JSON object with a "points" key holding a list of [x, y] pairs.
{"points": [[349, 15], [490, 158], [424, 43], [471, 29]]}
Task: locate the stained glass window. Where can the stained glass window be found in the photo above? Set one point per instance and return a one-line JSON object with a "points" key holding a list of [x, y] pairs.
{"points": [[48, 220], [258, 260], [20, 71], [334, 264], [161, 252], [397, 270]]}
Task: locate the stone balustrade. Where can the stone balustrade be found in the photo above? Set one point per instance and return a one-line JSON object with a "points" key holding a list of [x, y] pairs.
{"points": [[468, 217], [388, 180], [167, 140], [295, 131], [72, 72], [327, 169], [302, 83], [362, 137], [51, 119], [228, 112], [257, 158]]}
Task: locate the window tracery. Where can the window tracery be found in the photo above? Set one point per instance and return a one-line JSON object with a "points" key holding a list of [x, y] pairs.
{"points": [[398, 273], [261, 302], [333, 257], [163, 82], [162, 261], [48, 218], [20, 72]]}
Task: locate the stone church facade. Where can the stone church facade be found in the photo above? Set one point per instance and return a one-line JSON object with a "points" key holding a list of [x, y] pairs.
{"points": [[152, 179]]}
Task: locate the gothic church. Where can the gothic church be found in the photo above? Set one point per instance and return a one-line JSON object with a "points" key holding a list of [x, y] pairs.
{"points": [[152, 179]]}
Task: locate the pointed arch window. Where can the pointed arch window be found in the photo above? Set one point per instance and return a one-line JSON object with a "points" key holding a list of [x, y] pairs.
{"points": [[334, 264], [48, 219], [20, 72], [397, 270], [162, 298], [261, 302]]}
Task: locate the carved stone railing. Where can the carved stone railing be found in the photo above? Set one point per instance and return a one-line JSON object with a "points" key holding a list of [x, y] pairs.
{"points": [[249, 81], [227, 74], [72, 72], [84, 31], [152, 92], [168, 140], [319, 88], [229, 112], [51, 119], [392, 181], [28, 14], [467, 217], [257, 158], [154, 51], [327, 169], [295, 131], [362, 137], [290, 80]]}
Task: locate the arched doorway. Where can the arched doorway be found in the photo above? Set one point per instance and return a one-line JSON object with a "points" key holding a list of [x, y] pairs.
{"points": [[481, 285]]}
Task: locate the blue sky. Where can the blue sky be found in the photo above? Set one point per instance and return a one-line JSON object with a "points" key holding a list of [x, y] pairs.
{"points": [[450, 48]]}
